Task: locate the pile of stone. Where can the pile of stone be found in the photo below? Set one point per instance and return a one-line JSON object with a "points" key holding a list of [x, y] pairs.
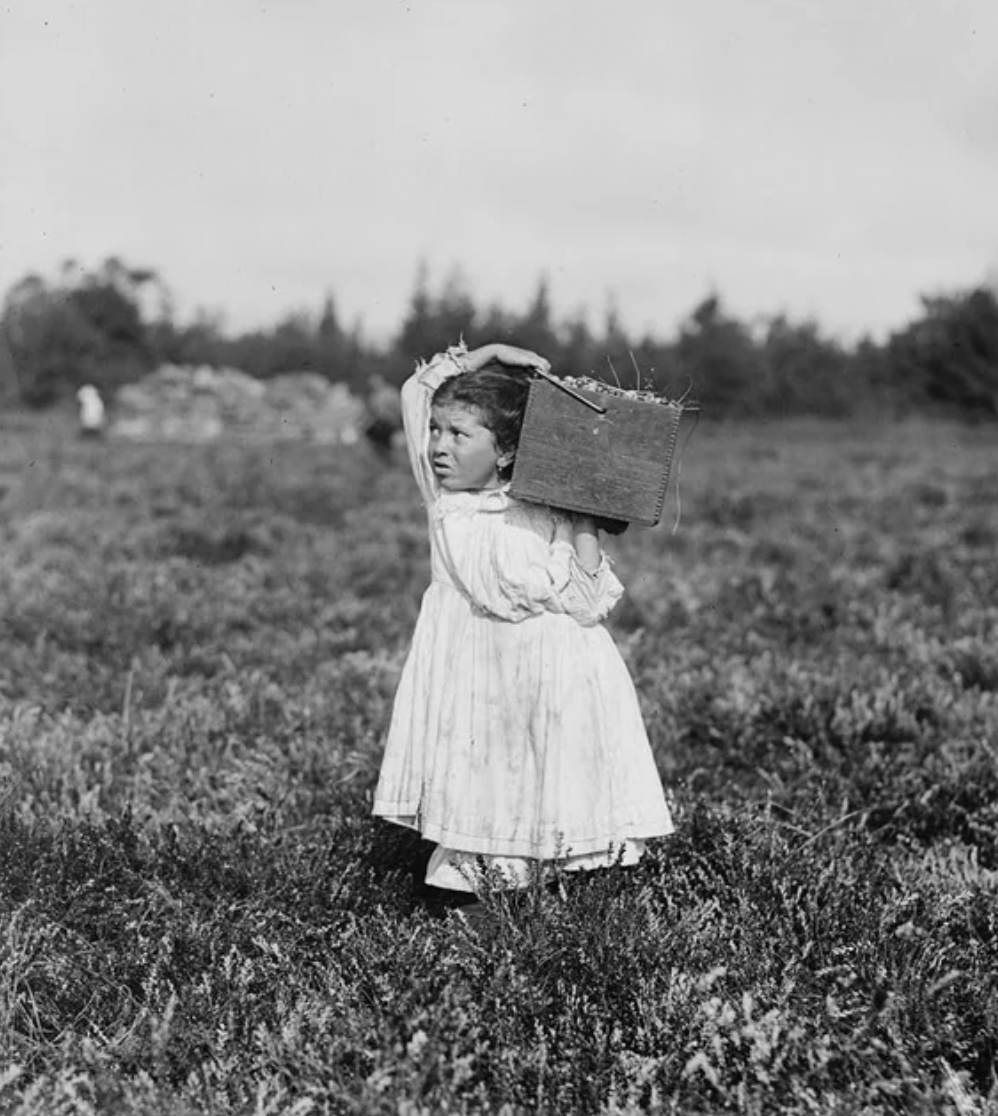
{"points": [[198, 404]]}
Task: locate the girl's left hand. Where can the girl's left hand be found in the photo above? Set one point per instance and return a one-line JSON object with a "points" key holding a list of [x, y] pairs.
{"points": [[586, 540]]}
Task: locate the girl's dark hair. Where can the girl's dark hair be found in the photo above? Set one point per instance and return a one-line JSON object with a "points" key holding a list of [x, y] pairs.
{"points": [[500, 397]]}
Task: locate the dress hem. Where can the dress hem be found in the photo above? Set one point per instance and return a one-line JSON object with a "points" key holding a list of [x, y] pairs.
{"points": [[558, 848]]}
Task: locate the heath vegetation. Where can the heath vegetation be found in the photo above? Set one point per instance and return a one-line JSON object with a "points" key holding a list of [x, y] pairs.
{"points": [[198, 650]]}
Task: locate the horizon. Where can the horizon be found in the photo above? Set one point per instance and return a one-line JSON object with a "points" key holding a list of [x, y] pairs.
{"points": [[561, 318]]}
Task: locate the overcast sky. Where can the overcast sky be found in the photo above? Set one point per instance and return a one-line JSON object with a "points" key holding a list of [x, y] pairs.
{"points": [[826, 158]]}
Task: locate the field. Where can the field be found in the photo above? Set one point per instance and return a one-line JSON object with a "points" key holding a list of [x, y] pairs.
{"points": [[198, 651]]}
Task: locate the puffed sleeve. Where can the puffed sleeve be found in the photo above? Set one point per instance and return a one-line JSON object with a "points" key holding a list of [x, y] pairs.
{"points": [[416, 397], [513, 572]]}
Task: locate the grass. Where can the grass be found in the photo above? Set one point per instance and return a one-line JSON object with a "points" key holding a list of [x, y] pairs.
{"points": [[198, 651]]}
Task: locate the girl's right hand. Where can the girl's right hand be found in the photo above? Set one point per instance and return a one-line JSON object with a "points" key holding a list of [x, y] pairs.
{"points": [[522, 358], [509, 355]]}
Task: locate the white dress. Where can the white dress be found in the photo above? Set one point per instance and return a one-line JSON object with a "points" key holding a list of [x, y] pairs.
{"points": [[516, 734]]}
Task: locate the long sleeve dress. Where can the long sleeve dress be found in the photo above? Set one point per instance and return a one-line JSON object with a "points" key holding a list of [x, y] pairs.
{"points": [[516, 734]]}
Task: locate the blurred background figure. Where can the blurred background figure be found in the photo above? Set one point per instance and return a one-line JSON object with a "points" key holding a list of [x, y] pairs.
{"points": [[384, 416], [92, 414]]}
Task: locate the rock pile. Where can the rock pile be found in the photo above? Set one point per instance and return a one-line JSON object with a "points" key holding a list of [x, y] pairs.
{"points": [[186, 404]]}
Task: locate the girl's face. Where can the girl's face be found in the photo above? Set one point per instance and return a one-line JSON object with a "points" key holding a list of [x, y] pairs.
{"points": [[463, 450]]}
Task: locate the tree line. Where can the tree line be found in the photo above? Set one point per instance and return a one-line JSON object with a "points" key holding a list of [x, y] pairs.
{"points": [[113, 324]]}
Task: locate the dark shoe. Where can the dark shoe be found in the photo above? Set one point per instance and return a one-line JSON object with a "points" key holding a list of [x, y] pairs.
{"points": [[474, 914], [438, 902]]}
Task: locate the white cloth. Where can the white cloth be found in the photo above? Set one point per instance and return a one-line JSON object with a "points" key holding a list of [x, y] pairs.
{"points": [[516, 730], [91, 408], [460, 871]]}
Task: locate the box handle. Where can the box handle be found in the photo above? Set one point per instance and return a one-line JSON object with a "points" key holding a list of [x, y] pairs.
{"points": [[570, 391]]}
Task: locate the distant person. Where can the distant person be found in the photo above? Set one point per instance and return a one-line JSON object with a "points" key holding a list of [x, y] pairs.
{"points": [[93, 417], [384, 416], [516, 736]]}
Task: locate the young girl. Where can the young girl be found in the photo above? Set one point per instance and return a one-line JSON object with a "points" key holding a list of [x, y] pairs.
{"points": [[516, 734]]}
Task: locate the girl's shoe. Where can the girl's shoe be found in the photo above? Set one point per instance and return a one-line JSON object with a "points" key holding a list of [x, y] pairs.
{"points": [[474, 914], [438, 902]]}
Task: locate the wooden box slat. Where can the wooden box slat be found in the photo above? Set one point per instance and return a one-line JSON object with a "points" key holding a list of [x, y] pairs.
{"points": [[615, 465]]}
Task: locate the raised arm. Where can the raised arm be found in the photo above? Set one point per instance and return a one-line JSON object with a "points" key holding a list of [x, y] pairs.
{"points": [[416, 397]]}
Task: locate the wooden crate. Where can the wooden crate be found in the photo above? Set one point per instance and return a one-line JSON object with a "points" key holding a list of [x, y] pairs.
{"points": [[613, 465]]}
